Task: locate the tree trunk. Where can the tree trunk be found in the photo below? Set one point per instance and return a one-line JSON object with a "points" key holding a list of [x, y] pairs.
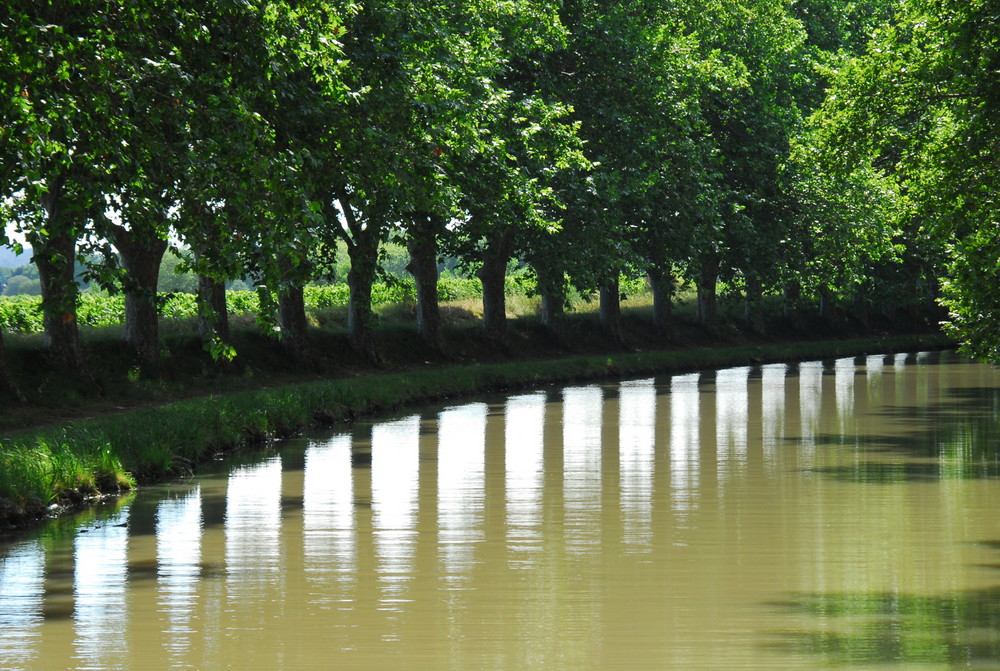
{"points": [[8, 388], [492, 274], [611, 311], [360, 317], [141, 256], [552, 309], [753, 309], [661, 283], [792, 294], [54, 256], [213, 317], [552, 286], [422, 246], [826, 304], [708, 277], [292, 321]]}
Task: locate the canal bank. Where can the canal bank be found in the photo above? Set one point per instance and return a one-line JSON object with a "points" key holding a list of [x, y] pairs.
{"points": [[47, 470]]}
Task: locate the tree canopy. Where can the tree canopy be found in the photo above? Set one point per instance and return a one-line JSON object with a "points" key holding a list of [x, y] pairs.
{"points": [[838, 152]]}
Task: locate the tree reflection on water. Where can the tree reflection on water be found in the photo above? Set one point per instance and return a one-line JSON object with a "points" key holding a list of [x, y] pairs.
{"points": [[955, 438], [961, 630]]}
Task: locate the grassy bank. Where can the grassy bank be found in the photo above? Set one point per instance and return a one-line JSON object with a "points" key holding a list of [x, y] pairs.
{"points": [[52, 466]]}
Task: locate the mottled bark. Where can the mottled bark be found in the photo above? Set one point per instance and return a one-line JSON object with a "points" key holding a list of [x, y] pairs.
{"points": [[360, 317], [552, 286], [54, 256], [362, 247], [551, 310], [611, 311], [141, 255], [213, 316], [661, 284], [423, 249], [492, 273], [292, 321]]}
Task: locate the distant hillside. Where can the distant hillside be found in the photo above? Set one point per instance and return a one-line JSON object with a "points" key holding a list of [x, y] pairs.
{"points": [[9, 260]]}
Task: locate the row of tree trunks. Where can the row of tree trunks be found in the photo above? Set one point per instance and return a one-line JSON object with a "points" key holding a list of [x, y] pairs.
{"points": [[141, 257]]}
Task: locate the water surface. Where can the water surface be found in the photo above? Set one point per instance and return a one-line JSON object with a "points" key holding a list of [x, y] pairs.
{"points": [[838, 514]]}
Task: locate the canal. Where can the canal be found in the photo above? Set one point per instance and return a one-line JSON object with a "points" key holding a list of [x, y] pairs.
{"points": [[824, 514]]}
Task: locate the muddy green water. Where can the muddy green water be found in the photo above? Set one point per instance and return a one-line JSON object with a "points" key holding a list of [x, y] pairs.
{"points": [[839, 514]]}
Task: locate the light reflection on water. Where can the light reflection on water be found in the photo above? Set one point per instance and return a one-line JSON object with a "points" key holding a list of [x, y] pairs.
{"points": [[100, 617], [22, 584], [810, 379], [178, 544], [524, 470], [772, 402], [637, 452], [329, 545], [461, 482], [732, 405], [685, 464], [793, 516], [394, 487]]}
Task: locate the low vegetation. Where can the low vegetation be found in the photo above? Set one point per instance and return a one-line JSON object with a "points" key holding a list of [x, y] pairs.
{"points": [[23, 313]]}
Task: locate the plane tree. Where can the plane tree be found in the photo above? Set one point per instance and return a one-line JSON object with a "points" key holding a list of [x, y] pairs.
{"points": [[187, 128], [63, 79], [278, 232], [344, 144], [842, 225], [669, 163], [507, 194], [918, 110], [634, 77], [466, 107], [234, 70], [751, 108]]}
